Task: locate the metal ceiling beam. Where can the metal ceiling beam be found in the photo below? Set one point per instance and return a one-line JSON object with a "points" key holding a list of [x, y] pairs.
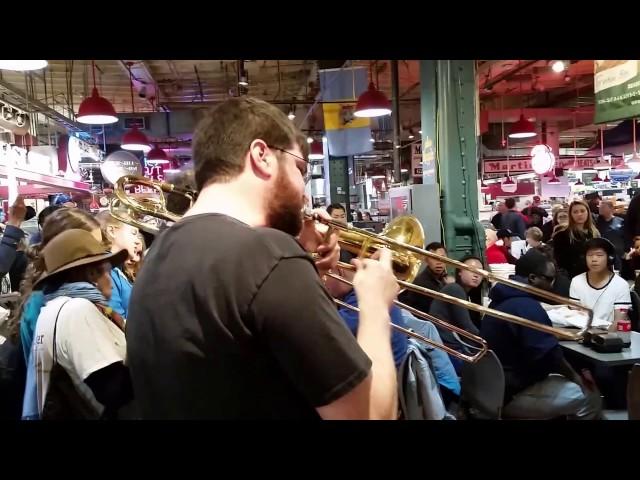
{"points": [[508, 73], [18, 98], [142, 85]]}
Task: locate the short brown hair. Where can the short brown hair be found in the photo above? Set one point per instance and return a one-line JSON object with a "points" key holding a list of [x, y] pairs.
{"points": [[225, 133]]}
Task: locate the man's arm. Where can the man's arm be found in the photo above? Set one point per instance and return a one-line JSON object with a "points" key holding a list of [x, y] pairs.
{"points": [[339, 376]]}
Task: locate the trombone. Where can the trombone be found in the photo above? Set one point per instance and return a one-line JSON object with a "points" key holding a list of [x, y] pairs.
{"points": [[404, 236], [131, 209]]}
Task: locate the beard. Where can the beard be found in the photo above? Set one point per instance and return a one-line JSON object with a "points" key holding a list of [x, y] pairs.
{"points": [[284, 206]]}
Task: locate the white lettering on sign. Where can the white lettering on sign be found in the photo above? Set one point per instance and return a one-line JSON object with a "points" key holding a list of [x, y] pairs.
{"points": [[155, 172], [524, 164]]}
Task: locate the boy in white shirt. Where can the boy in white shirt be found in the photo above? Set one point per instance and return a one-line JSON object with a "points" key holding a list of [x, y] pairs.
{"points": [[600, 289]]}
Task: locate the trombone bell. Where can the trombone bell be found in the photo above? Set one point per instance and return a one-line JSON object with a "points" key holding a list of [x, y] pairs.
{"points": [[406, 229]]}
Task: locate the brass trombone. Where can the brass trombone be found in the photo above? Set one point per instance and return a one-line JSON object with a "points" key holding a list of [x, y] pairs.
{"points": [[404, 236], [131, 209]]}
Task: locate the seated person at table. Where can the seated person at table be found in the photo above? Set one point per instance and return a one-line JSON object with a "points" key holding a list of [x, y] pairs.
{"points": [[494, 253], [347, 294], [433, 277], [455, 314], [599, 288], [539, 383]]}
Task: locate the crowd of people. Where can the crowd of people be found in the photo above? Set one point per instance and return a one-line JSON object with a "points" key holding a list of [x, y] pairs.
{"points": [[228, 316]]}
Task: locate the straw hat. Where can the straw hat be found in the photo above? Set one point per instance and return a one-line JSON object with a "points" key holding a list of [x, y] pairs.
{"points": [[74, 248]]}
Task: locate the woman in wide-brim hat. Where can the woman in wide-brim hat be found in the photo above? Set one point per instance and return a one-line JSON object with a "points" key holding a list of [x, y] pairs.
{"points": [[77, 327]]}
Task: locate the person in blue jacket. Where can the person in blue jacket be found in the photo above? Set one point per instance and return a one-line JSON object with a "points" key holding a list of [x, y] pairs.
{"points": [[539, 382], [120, 236]]}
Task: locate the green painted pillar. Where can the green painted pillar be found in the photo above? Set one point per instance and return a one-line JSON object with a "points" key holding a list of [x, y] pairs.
{"points": [[339, 181], [450, 150]]}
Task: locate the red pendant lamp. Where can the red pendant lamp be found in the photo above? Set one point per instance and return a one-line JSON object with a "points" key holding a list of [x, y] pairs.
{"points": [[96, 110], [523, 128], [134, 139], [158, 156], [553, 180], [316, 152], [508, 185], [372, 103], [174, 166]]}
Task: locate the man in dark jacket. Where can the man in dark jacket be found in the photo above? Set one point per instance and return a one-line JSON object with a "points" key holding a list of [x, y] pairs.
{"points": [[513, 220], [432, 277], [593, 200], [611, 228], [539, 382]]}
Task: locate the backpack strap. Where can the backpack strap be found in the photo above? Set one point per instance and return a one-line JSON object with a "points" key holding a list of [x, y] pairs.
{"points": [[55, 328]]}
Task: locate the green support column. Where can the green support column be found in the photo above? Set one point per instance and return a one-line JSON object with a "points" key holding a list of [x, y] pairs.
{"points": [[448, 103], [339, 181]]}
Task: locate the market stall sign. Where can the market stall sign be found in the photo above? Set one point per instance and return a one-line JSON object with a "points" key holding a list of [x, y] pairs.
{"points": [[119, 164], [617, 89], [523, 164]]}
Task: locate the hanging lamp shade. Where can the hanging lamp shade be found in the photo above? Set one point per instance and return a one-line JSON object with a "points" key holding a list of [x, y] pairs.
{"points": [[96, 110], [523, 128], [509, 185], [135, 140], [157, 155], [579, 182], [607, 179], [596, 178], [174, 166], [23, 65], [372, 103], [316, 151]]}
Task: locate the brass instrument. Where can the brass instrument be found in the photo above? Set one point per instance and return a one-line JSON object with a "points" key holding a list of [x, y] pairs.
{"points": [[404, 236], [404, 254], [131, 209]]}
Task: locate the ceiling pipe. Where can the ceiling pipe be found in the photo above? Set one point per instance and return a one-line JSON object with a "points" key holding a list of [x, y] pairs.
{"points": [[145, 87], [503, 76]]}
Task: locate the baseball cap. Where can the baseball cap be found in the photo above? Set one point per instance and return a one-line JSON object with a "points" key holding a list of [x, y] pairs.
{"points": [[504, 233]]}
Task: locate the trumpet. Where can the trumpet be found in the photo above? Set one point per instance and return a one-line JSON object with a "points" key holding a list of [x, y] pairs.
{"points": [[404, 236]]}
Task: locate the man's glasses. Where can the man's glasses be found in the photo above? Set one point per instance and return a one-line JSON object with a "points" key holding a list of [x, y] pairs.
{"points": [[306, 173]]}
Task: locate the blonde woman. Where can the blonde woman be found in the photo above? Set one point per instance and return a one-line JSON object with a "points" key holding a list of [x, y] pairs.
{"points": [[120, 236], [560, 218], [569, 244]]}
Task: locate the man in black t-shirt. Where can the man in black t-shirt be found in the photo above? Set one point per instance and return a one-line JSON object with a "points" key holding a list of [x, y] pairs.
{"points": [[229, 318]]}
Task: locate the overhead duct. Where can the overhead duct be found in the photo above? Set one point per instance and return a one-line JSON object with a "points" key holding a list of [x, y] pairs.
{"points": [[157, 125]]}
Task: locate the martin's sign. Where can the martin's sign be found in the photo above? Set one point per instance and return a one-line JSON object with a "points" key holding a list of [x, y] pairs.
{"points": [[523, 164]]}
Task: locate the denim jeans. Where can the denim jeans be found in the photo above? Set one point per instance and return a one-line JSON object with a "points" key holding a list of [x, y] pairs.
{"points": [[553, 397], [442, 366]]}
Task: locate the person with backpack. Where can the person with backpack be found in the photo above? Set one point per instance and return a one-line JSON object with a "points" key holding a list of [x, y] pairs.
{"points": [[79, 345]]}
